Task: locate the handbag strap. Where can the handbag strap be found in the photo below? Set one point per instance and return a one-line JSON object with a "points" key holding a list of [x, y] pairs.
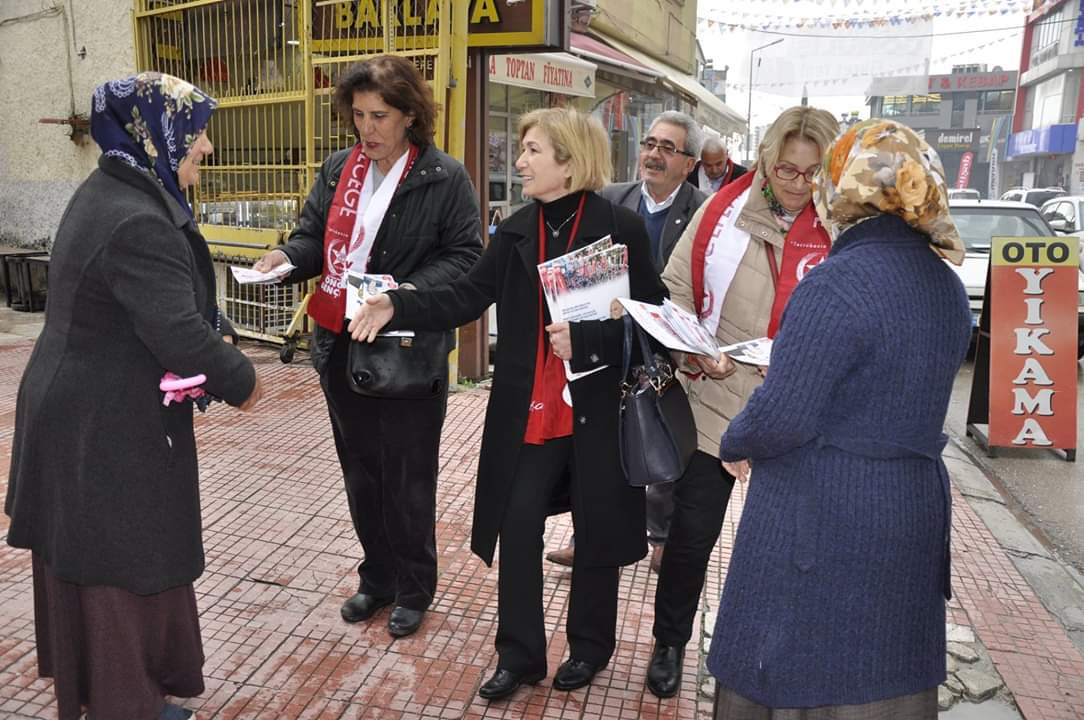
{"points": [[627, 354]]}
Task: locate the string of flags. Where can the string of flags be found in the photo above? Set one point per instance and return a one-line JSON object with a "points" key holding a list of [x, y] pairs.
{"points": [[915, 68], [752, 19]]}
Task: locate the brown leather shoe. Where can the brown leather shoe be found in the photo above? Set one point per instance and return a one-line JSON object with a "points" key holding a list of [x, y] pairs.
{"points": [[656, 557], [563, 556]]}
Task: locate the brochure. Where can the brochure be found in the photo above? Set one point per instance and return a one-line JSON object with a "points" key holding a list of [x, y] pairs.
{"points": [[248, 276], [673, 326], [582, 284], [751, 352], [360, 286]]}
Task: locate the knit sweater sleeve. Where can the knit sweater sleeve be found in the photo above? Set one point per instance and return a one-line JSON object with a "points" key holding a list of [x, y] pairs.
{"points": [[821, 340]]}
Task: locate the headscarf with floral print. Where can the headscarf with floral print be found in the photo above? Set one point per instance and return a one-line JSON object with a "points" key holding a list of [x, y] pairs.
{"points": [[880, 167], [150, 121]]}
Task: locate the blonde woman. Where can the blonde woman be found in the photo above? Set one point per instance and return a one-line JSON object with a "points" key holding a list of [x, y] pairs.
{"points": [[735, 266], [534, 442], [834, 604]]}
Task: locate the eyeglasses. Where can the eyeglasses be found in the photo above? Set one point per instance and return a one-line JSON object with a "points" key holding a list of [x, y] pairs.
{"points": [[786, 172], [667, 148]]}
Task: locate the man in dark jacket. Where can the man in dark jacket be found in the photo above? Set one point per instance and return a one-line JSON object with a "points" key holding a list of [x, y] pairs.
{"points": [[715, 169], [666, 203]]}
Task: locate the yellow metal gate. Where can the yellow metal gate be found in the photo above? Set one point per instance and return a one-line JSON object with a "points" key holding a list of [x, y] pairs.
{"points": [[272, 65]]}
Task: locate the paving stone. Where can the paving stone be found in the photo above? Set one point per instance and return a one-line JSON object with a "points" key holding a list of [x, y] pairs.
{"points": [[978, 685], [707, 689], [945, 698], [963, 653], [706, 645], [951, 665], [953, 683], [959, 633]]}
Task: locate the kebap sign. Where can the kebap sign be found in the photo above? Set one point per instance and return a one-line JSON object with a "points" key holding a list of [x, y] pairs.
{"points": [[1033, 342]]}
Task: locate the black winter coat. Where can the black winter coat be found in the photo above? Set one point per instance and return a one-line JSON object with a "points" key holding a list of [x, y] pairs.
{"points": [[609, 514], [430, 236], [104, 484]]}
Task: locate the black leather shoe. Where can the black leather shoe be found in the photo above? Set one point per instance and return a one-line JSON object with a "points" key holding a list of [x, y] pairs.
{"points": [[404, 621], [362, 607], [664, 670], [575, 674], [505, 682]]}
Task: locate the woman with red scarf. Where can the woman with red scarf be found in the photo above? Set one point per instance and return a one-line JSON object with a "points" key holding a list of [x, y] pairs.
{"points": [[735, 267], [391, 204], [542, 433]]}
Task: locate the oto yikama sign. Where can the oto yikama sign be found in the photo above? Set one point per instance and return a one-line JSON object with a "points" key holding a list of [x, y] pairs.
{"points": [[1033, 342]]}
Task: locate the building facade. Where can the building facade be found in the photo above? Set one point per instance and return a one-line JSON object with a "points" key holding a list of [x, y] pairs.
{"points": [[964, 116], [1045, 148], [51, 59]]}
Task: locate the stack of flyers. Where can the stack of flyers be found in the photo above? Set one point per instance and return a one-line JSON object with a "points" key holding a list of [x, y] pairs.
{"points": [[360, 286], [248, 276], [673, 326], [582, 284]]}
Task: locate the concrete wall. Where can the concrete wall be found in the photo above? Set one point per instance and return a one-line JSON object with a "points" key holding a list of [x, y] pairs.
{"points": [[43, 76]]}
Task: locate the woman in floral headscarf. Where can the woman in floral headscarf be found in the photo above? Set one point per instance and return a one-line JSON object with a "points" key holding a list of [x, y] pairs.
{"points": [[834, 603], [103, 487]]}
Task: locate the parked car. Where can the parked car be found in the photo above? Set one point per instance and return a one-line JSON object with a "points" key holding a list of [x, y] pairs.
{"points": [[1032, 196], [964, 194], [980, 220], [1065, 214]]}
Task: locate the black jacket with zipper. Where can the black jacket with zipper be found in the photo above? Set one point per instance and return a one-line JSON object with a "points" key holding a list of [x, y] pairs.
{"points": [[430, 236]]}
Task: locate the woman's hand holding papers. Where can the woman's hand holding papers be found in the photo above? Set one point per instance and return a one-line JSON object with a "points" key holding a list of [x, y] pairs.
{"points": [[715, 369], [560, 340], [371, 317]]}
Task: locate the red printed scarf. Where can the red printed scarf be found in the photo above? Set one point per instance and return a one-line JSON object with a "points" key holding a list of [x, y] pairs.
{"points": [[327, 306], [806, 245]]}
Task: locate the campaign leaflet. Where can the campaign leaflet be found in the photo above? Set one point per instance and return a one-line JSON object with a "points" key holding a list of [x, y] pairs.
{"points": [[360, 286], [582, 284], [673, 326]]}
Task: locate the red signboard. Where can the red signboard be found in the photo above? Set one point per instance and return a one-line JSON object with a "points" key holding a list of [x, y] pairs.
{"points": [[1033, 342], [958, 82], [963, 177]]}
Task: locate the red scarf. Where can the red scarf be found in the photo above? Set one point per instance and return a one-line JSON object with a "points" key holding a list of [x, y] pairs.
{"points": [[549, 415], [806, 245], [327, 306]]}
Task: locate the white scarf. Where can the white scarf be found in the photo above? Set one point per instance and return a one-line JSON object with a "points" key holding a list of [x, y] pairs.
{"points": [[367, 222], [722, 257]]}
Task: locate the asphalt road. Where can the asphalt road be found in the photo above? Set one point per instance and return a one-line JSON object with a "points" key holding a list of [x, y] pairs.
{"points": [[1047, 493]]}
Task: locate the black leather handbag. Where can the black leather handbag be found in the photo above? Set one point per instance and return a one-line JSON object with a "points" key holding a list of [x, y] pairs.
{"points": [[657, 433], [409, 368]]}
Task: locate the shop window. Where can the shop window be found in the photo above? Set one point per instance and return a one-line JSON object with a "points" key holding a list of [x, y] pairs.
{"points": [[996, 101], [498, 97], [1044, 39], [926, 103], [894, 105]]}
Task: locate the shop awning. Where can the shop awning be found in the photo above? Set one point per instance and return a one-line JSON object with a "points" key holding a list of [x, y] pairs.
{"points": [[550, 72], [710, 110], [588, 47]]}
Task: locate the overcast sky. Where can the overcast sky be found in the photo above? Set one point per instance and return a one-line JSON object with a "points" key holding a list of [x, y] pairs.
{"points": [[732, 48]]}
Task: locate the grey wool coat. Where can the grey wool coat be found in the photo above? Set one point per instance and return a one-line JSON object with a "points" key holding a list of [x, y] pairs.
{"points": [[104, 483]]}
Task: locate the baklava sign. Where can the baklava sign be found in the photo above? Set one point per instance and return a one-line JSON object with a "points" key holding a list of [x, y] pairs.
{"points": [[1033, 342]]}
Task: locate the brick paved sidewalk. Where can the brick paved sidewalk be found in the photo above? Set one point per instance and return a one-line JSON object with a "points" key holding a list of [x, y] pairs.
{"points": [[281, 557]]}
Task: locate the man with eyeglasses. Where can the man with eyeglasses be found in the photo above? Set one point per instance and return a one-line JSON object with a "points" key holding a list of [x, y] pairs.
{"points": [[715, 168], [666, 202]]}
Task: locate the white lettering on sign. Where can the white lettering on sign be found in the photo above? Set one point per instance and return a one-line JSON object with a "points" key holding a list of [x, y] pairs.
{"points": [[1035, 311], [1033, 432], [1032, 372], [1029, 340], [1034, 278], [1023, 403]]}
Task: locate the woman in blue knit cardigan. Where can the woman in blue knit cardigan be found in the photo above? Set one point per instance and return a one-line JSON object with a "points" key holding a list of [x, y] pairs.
{"points": [[834, 603]]}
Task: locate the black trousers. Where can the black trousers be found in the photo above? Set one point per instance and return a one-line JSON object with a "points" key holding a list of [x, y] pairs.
{"points": [[389, 450], [700, 499], [592, 608], [659, 499]]}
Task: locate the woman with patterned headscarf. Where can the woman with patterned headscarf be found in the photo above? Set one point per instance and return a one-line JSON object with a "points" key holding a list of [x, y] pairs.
{"points": [[103, 487], [834, 603]]}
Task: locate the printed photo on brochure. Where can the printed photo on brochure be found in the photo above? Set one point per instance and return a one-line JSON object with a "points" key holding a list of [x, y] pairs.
{"points": [[360, 286]]}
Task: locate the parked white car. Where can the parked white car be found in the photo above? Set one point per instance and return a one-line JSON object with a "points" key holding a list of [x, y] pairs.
{"points": [[980, 220], [1032, 196], [964, 194]]}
